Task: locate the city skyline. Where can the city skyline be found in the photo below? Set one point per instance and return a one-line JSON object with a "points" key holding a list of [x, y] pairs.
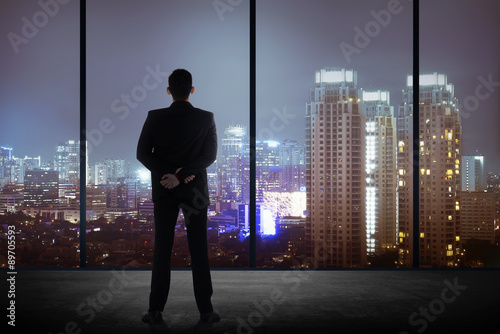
{"points": [[114, 195]]}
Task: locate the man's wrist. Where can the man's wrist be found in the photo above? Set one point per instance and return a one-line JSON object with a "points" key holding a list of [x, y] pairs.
{"points": [[178, 178]]}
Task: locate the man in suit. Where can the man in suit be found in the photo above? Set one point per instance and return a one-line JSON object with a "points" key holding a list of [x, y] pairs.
{"points": [[177, 144]]}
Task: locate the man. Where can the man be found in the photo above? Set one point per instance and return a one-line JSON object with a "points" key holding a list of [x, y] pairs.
{"points": [[177, 144]]}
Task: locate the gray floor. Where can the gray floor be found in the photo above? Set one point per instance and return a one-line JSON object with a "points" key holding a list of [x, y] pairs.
{"points": [[257, 301]]}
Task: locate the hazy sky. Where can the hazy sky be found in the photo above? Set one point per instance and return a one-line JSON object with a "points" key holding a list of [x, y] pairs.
{"points": [[133, 45]]}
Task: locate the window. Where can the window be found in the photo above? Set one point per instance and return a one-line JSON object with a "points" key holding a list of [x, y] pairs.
{"points": [[129, 59], [39, 134], [462, 84]]}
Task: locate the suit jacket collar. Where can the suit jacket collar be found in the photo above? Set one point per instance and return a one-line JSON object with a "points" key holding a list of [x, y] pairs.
{"points": [[181, 104]]}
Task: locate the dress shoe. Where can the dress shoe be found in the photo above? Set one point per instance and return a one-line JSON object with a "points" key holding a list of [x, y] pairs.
{"points": [[209, 318], [153, 318]]}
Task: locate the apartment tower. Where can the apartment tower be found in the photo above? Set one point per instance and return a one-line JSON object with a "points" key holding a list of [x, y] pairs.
{"points": [[381, 182], [335, 171], [439, 185]]}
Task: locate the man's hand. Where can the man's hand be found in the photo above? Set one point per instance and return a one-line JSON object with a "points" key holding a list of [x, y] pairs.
{"points": [[169, 181], [187, 179]]}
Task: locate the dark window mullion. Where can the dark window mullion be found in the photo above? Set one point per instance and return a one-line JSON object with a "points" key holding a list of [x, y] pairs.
{"points": [[83, 137], [253, 156], [416, 121]]}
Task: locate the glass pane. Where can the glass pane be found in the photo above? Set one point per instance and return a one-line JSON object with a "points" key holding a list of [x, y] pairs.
{"points": [[459, 138], [39, 132], [133, 46], [329, 81]]}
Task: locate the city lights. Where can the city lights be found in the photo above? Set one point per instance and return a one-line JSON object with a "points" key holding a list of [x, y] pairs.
{"points": [[342, 190], [144, 175]]}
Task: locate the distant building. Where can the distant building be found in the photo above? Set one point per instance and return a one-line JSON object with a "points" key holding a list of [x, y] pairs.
{"points": [[265, 219], [212, 182], [146, 208], [290, 230], [233, 165], [96, 200], [473, 176], [108, 171], [243, 216], [67, 161], [293, 167], [268, 169], [478, 215], [24, 164], [123, 194], [41, 188], [5, 165], [10, 202]]}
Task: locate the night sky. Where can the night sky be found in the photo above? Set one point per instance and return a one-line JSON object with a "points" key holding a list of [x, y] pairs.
{"points": [[128, 40]]}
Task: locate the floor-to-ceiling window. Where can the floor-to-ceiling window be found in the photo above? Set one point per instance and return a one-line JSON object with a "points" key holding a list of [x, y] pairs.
{"points": [[132, 47], [329, 81], [39, 134], [459, 119]]}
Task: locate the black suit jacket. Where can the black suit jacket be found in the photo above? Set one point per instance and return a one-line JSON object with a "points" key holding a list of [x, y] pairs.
{"points": [[179, 136]]}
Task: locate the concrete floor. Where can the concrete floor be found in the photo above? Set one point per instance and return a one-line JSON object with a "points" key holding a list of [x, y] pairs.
{"points": [[290, 301]]}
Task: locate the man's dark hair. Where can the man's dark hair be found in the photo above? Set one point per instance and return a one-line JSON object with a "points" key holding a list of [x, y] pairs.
{"points": [[179, 84]]}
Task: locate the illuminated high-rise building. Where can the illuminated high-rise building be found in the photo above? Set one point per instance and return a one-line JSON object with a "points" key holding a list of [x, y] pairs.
{"points": [[265, 222], [478, 216], [5, 153], [335, 172], [380, 163], [292, 163], [212, 182], [5, 165], [123, 194], [28, 163], [290, 235], [268, 169], [107, 172], [41, 188], [233, 163], [67, 161], [473, 177], [439, 174]]}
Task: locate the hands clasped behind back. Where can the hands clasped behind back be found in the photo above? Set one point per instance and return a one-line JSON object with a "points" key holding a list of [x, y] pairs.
{"points": [[171, 181]]}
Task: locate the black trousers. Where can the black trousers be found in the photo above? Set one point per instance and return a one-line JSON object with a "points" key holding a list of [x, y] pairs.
{"points": [[165, 213]]}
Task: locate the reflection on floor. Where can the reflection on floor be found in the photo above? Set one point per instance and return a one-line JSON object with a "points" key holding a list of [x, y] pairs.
{"points": [[289, 301]]}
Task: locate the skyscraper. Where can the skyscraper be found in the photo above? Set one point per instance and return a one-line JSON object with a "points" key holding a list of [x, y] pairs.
{"points": [[292, 163], [439, 174], [335, 173], [27, 163], [124, 193], [108, 171], [233, 165], [212, 182], [473, 177], [67, 161], [268, 169], [5, 165], [381, 183]]}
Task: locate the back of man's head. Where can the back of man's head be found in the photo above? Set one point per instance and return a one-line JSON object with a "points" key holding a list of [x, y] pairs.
{"points": [[179, 84]]}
